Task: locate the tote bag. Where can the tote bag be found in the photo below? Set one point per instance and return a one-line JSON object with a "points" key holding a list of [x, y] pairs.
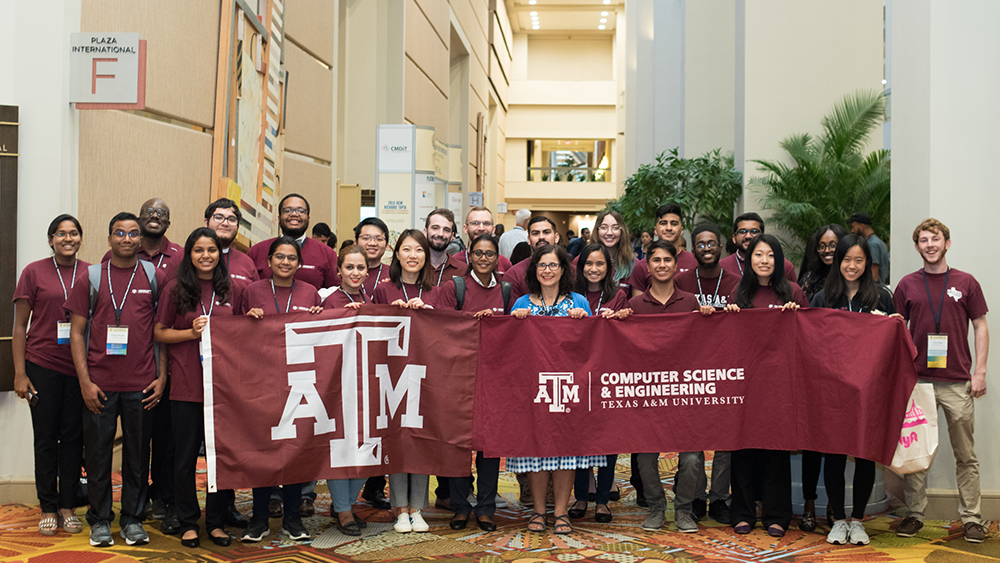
{"points": [[918, 439]]}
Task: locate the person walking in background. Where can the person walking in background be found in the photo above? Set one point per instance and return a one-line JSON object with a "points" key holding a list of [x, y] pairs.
{"points": [[861, 225], [518, 234]]}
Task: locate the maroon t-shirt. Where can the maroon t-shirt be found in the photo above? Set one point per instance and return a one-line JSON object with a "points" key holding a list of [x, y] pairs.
{"points": [[452, 267], [639, 281], [376, 277], [679, 302], [166, 260], [503, 263], [302, 296], [135, 370], [338, 299], [40, 287], [477, 297], [963, 302], [734, 264], [766, 298], [515, 276], [714, 291], [599, 301], [186, 382], [241, 268], [318, 266], [387, 292]]}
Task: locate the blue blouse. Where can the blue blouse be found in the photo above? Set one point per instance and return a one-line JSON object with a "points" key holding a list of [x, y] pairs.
{"points": [[560, 309]]}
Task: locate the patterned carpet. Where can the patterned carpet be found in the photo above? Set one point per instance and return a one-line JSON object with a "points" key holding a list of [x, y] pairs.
{"points": [[621, 541]]}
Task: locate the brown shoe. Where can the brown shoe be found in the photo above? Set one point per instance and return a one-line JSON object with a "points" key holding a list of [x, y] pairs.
{"points": [[974, 532], [909, 527], [306, 508], [274, 508]]}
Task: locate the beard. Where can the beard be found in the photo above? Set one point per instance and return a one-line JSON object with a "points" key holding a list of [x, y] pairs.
{"points": [[437, 245], [707, 264], [294, 233]]}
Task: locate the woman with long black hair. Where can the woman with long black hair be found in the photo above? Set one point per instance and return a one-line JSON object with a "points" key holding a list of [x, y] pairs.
{"points": [[44, 374], [851, 287], [817, 262], [202, 289], [764, 286]]}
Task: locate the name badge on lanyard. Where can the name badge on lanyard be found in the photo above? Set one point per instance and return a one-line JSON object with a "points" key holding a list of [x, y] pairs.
{"points": [[117, 340], [937, 350], [62, 333]]}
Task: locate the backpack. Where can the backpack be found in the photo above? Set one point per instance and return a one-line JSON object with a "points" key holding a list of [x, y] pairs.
{"points": [[505, 290], [94, 275]]}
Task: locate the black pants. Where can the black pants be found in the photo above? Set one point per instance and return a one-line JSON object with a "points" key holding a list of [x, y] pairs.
{"points": [[488, 470], [161, 468], [812, 464], [58, 437], [443, 488], [291, 496], [864, 482], [636, 479], [189, 431], [373, 485], [99, 439], [776, 488], [605, 479]]}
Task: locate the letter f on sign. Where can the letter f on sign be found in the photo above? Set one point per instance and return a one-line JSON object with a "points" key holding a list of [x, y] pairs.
{"points": [[95, 76]]}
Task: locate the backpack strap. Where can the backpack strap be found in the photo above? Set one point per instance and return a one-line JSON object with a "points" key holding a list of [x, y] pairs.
{"points": [[150, 270], [459, 291], [94, 276], [505, 289]]}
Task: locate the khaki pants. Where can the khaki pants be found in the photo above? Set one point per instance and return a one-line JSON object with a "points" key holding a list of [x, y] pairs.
{"points": [[955, 399]]}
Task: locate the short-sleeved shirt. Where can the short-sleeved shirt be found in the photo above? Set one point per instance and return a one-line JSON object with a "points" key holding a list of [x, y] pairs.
{"points": [[766, 298], [503, 263], [136, 369], [515, 276], [640, 273], [509, 240], [185, 357], [680, 302], [40, 287], [452, 267], [880, 256], [560, 309], [376, 277], [340, 299], [166, 260], [884, 306], [477, 296], [318, 266], [301, 296], [241, 268], [598, 301], [387, 292], [713, 292], [963, 302], [733, 263]]}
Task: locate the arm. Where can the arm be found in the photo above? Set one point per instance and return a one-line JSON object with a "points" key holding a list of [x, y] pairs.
{"points": [[160, 383], [22, 385], [92, 394], [982, 333], [168, 335], [875, 271]]}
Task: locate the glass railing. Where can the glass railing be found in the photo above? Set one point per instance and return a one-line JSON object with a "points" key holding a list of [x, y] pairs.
{"points": [[568, 174]]}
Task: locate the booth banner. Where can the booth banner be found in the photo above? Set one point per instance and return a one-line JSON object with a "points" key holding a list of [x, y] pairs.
{"points": [[814, 379], [299, 397]]}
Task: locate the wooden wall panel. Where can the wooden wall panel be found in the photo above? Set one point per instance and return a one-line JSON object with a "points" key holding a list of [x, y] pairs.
{"points": [[182, 45], [425, 48], [315, 183], [425, 104], [310, 24], [309, 118], [126, 159]]}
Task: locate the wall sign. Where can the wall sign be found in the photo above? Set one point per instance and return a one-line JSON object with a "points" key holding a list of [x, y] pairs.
{"points": [[104, 68]]}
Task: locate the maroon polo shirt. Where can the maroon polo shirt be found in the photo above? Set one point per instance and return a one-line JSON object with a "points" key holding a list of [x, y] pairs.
{"points": [[963, 302], [451, 267], [639, 281], [599, 301], [338, 299], [241, 268], [477, 297], [679, 302], [387, 292], [186, 382], [318, 266], [733, 263], [714, 291], [376, 277], [302, 296], [135, 370], [41, 288], [167, 259]]}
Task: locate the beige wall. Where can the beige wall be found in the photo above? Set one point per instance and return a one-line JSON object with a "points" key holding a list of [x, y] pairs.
{"points": [[569, 59], [709, 76]]}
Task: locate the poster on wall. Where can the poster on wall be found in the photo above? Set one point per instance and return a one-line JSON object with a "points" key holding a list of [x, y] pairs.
{"points": [[395, 148], [395, 202], [455, 203], [425, 189]]}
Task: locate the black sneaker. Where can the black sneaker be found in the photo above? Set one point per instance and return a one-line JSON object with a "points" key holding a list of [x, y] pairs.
{"points": [[256, 531], [377, 500], [170, 525], [719, 511], [235, 519], [295, 530], [158, 509], [909, 527], [698, 508]]}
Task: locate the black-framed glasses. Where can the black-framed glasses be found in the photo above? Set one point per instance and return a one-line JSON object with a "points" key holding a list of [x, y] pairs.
{"points": [[751, 232], [553, 266], [122, 234], [821, 247], [487, 253], [706, 245], [295, 210], [220, 218], [151, 211]]}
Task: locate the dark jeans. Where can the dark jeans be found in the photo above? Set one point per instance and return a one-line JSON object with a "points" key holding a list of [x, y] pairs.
{"points": [[488, 470], [99, 440], [864, 482], [58, 436], [161, 468], [776, 471], [812, 464], [605, 478], [291, 496], [189, 431], [636, 479]]}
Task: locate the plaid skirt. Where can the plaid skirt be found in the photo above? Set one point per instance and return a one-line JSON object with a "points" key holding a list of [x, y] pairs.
{"points": [[535, 464]]}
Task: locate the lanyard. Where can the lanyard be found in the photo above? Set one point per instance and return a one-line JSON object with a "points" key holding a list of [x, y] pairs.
{"points": [[717, 284], [599, 301], [111, 290], [362, 294], [940, 309], [288, 306], [210, 307], [407, 297], [441, 275], [72, 282], [739, 262]]}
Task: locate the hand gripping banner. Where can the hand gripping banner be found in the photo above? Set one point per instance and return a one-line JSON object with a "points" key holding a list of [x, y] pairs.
{"points": [[298, 397], [814, 379]]}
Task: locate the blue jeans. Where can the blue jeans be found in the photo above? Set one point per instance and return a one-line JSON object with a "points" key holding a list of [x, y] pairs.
{"points": [[344, 492]]}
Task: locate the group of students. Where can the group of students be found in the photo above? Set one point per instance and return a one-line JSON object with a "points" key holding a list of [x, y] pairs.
{"points": [[89, 357]]}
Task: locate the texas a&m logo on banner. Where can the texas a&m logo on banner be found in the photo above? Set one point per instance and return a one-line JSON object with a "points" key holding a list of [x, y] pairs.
{"points": [[557, 390]]}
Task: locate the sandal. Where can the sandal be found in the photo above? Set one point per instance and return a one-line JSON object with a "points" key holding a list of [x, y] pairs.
{"points": [[808, 521], [70, 525], [48, 526], [534, 525], [562, 525], [352, 528]]}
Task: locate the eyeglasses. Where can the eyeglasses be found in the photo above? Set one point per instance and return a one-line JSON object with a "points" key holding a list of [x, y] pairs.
{"points": [[371, 238], [553, 266], [122, 234], [706, 245], [751, 232], [480, 224], [64, 234], [823, 247], [486, 253], [220, 218], [606, 228], [294, 210], [283, 257], [150, 211]]}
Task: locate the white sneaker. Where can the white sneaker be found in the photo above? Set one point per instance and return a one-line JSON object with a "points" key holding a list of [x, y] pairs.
{"points": [[838, 535], [857, 533], [418, 522], [402, 524]]}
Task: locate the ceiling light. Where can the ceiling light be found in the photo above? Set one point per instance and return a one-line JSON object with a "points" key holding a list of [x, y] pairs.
{"points": [[605, 1], [531, 2], [534, 18], [604, 20], [534, 26], [604, 14], [533, 14], [600, 27]]}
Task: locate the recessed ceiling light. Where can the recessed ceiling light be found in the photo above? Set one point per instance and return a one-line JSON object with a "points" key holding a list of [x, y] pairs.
{"points": [[604, 14], [605, 1], [600, 27], [531, 2], [534, 26], [604, 20], [533, 14]]}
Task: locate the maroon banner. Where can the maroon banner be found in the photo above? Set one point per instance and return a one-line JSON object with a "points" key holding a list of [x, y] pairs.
{"points": [[814, 379], [299, 397]]}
